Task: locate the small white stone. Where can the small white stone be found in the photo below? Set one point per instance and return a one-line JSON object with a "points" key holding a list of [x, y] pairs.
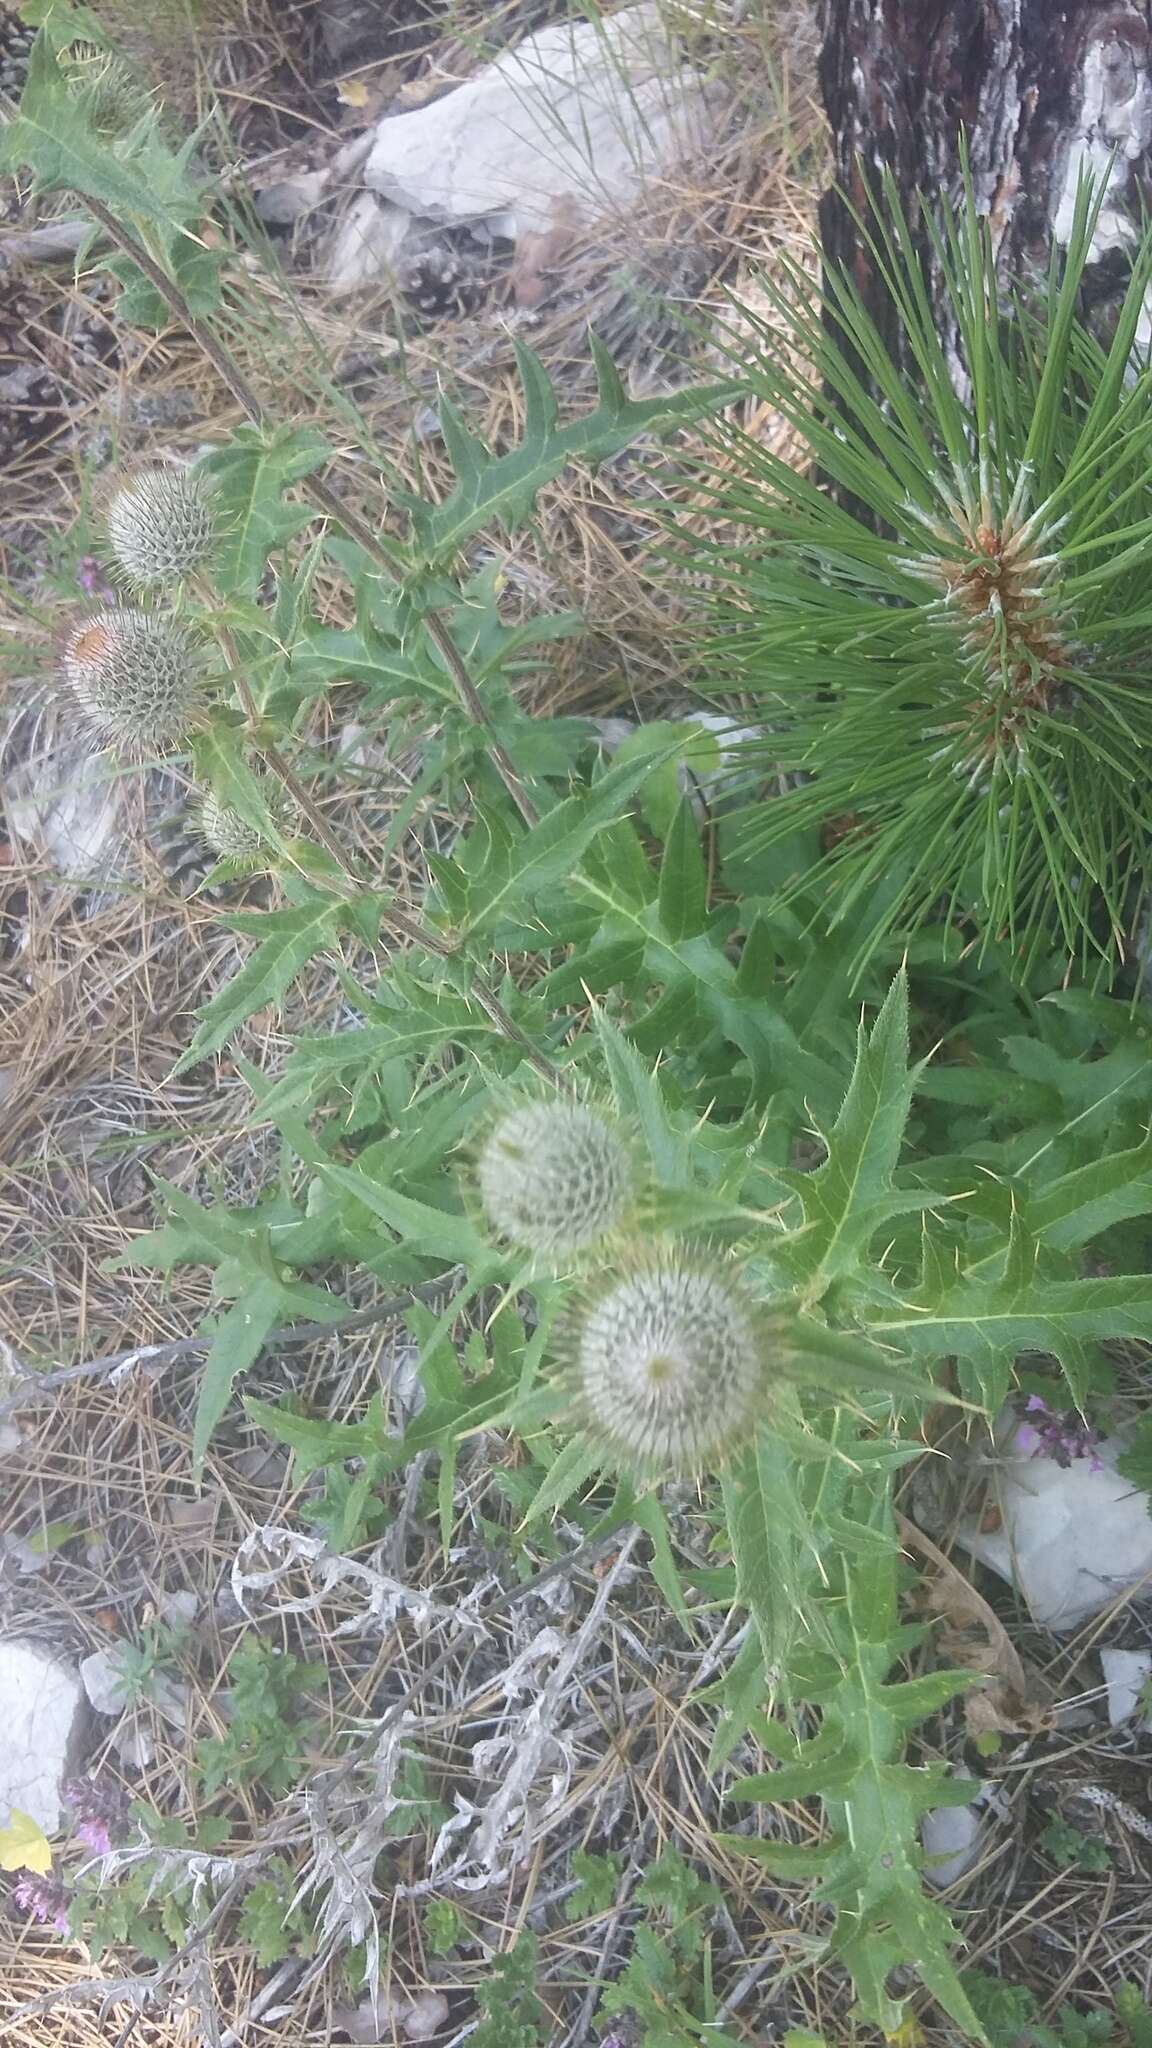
{"points": [[134, 1747], [1126, 1673], [41, 1731], [952, 1838], [1072, 1538], [374, 2022], [425, 2016], [571, 124], [179, 1609], [367, 242]]}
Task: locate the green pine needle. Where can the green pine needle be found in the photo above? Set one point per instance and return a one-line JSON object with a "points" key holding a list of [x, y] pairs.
{"points": [[957, 676]]}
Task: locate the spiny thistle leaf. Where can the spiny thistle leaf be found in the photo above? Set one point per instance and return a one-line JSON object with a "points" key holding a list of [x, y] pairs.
{"points": [[289, 939], [850, 1195], [504, 487], [987, 1320], [870, 1869], [250, 477]]}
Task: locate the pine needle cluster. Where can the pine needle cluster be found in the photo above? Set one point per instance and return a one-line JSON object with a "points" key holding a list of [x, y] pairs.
{"points": [[940, 603]]}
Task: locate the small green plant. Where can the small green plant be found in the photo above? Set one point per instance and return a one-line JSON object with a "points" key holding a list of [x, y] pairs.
{"points": [[1012, 2017], [348, 1512], [269, 1924], [665, 1986], [263, 1745], [444, 1926], [511, 2013], [597, 1879], [1072, 1849], [153, 1655], [144, 1908]]}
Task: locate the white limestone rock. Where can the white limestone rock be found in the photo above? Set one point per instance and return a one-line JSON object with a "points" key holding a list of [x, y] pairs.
{"points": [[1126, 1673], [42, 1717], [568, 126], [1070, 1538], [952, 1838]]}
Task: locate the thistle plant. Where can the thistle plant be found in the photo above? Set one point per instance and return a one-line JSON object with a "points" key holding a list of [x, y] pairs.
{"points": [[939, 603], [613, 1011], [108, 94], [138, 677], [233, 836], [161, 528], [669, 1367], [555, 1177]]}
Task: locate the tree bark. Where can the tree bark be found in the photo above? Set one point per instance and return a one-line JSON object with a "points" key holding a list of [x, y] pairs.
{"points": [[1037, 89]]}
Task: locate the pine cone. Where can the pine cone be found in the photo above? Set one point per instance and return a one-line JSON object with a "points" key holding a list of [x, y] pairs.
{"points": [[444, 281]]}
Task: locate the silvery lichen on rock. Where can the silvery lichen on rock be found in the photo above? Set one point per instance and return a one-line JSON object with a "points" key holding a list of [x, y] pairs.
{"points": [[161, 527], [138, 676], [669, 1365], [555, 1177]]}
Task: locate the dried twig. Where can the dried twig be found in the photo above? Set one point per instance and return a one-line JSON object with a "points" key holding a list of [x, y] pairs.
{"points": [[34, 1384]]}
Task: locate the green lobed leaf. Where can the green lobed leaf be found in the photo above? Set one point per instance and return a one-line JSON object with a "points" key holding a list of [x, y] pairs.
{"points": [[316, 1442], [683, 896], [1073, 1209], [504, 487], [434, 1233], [849, 1196], [251, 475], [548, 851], [237, 1344], [293, 936]]}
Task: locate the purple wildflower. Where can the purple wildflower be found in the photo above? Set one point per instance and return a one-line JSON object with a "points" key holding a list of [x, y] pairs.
{"points": [[42, 1898], [99, 1811], [1061, 1434], [90, 576], [94, 1835]]}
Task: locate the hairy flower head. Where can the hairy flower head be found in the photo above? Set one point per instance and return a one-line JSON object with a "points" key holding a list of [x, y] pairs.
{"points": [[555, 1177], [669, 1366], [161, 526], [138, 677], [230, 835], [109, 96]]}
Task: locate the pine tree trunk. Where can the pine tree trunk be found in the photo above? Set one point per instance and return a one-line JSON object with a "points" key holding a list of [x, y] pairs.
{"points": [[1037, 89]]}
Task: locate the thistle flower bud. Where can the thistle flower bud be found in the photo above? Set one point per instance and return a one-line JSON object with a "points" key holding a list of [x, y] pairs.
{"points": [[670, 1367], [138, 677], [161, 526], [555, 1177], [108, 95], [230, 835]]}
